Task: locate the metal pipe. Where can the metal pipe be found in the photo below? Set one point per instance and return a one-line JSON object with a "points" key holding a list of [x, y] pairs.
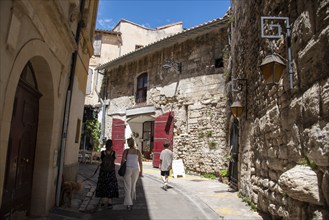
{"points": [[68, 105], [289, 54]]}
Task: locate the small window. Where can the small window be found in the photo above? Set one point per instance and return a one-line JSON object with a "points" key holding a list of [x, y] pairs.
{"points": [[141, 88], [138, 47], [219, 63], [97, 45]]}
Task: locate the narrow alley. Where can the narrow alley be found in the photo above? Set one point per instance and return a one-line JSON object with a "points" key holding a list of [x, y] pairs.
{"points": [[189, 197]]}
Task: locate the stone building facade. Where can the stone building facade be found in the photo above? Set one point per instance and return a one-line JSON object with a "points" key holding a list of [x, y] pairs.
{"points": [[284, 137], [189, 97], [45, 51], [124, 38]]}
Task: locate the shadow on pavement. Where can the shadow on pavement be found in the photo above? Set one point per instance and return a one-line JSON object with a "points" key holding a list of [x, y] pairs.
{"points": [[85, 205]]}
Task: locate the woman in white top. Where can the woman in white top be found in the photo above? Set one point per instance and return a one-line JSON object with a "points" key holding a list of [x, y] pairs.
{"points": [[133, 171]]}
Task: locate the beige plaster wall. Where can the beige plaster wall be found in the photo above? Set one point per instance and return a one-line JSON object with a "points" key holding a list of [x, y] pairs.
{"points": [[25, 36], [135, 35]]}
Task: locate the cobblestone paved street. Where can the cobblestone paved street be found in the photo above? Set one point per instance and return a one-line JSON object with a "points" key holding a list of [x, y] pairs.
{"points": [[189, 197]]}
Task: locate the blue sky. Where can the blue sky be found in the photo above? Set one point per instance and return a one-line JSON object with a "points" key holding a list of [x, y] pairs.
{"points": [[155, 13]]}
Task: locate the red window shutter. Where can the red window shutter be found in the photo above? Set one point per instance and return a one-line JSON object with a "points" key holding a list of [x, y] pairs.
{"points": [[118, 138], [163, 131]]}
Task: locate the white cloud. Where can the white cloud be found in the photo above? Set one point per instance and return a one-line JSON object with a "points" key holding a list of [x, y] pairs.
{"points": [[106, 24], [147, 25]]}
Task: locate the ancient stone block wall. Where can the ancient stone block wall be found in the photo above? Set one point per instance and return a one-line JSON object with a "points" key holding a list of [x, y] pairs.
{"points": [[284, 141], [196, 95]]}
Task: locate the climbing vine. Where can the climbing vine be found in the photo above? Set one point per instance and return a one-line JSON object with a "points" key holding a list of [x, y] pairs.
{"points": [[93, 130]]}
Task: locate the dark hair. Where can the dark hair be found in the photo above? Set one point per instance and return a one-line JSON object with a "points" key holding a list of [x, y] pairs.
{"points": [[131, 141], [108, 143], [166, 144]]}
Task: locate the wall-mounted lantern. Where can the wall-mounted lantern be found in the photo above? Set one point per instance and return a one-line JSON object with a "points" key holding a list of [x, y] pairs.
{"points": [[272, 66], [237, 108]]}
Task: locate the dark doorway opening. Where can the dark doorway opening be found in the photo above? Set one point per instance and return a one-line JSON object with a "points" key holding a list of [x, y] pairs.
{"points": [[148, 139], [234, 154]]}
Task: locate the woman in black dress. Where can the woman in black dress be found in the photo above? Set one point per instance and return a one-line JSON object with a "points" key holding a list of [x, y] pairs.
{"points": [[107, 184]]}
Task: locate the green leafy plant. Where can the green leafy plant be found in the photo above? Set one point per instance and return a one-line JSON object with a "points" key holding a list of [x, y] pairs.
{"points": [[209, 176], [248, 200], [93, 130], [224, 172], [212, 144], [209, 133], [306, 162]]}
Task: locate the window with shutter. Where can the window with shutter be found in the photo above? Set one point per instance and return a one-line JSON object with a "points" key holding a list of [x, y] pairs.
{"points": [[97, 45], [141, 90]]}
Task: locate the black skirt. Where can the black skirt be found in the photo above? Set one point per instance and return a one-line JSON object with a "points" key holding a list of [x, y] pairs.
{"points": [[107, 185]]}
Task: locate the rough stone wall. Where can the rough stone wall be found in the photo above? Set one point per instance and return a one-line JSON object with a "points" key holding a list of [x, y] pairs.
{"points": [[284, 142], [197, 97]]}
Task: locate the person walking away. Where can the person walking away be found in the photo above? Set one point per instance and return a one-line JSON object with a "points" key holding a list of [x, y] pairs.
{"points": [[166, 158], [134, 169], [107, 184]]}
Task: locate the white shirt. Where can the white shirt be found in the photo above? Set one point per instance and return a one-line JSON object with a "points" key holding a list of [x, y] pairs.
{"points": [[132, 160]]}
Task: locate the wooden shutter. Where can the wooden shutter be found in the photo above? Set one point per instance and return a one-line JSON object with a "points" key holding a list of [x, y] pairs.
{"points": [[97, 45], [163, 131], [118, 138]]}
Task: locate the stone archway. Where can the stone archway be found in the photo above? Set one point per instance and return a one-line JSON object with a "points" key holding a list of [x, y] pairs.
{"points": [[46, 66], [16, 199]]}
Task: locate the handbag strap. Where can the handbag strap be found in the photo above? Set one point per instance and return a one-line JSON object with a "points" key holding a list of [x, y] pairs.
{"points": [[125, 152]]}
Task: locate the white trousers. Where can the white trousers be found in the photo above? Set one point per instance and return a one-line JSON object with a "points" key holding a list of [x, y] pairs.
{"points": [[130, 179]]}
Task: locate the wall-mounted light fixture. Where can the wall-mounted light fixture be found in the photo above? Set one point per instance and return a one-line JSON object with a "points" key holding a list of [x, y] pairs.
{"points": [[170, 63], [237, 108], [272, 66]]}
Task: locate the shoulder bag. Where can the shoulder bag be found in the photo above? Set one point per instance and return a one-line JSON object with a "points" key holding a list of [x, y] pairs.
{"points": [[122, 169]]}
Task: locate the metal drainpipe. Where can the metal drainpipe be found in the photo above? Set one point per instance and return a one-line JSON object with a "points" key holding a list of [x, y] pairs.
{"points": [[81, 24], [103, 101]]}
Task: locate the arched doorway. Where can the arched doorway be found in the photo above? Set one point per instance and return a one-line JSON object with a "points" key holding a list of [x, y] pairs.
{"points": [[21, 146]]}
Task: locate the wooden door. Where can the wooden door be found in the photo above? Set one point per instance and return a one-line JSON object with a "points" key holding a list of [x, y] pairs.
{"points": [[21, 149], [118, 138], [163, 131]]}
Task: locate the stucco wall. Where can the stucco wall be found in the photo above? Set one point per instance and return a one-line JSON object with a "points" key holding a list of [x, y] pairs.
{"points": [[133, 35], [284, 141], [41, 33]]}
